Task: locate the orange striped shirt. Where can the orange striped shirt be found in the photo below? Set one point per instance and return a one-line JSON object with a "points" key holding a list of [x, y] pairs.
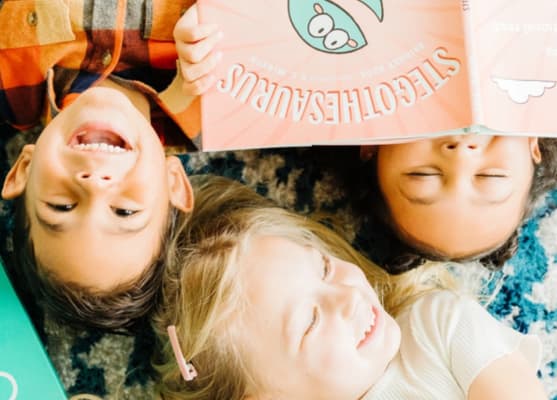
{"points": [[50, 51]]}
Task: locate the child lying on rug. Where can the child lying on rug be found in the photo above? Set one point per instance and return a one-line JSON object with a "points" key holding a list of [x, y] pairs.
{"points": [[457, 197], [96, 195], [262, 303], [452, 198]]}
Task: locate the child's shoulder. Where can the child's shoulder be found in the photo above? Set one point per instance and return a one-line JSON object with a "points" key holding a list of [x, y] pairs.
{"points": [[442, 311], [443, 301]]}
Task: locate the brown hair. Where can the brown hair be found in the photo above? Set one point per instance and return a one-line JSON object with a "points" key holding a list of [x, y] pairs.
{"points": [[121, 309], [203, 296]]}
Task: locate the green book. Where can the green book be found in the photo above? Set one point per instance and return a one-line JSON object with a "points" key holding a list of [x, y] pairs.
{"points": [[25, 369]]}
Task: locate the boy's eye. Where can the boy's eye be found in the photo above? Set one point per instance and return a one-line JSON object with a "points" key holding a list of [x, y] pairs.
{"points": [[61, 207], [423, 174], [314, 320], [326, 267], [124, 212], [491, 176]]}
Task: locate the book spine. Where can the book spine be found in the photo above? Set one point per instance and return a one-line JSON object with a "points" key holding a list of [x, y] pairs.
{"points": [[472, 62]]}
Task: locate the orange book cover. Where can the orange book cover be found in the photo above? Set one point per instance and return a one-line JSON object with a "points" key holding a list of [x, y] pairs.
{"points": [[314, 72]]}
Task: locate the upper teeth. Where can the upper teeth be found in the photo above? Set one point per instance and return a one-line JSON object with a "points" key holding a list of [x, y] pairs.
{"points": [[99, 147], [369, 328]]}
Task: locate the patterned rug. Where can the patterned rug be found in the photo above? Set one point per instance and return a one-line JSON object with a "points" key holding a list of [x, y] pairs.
{"points": [[117, 367]]}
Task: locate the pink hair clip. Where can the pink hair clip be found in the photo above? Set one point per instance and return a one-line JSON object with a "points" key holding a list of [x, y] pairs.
{"points": [[187, 369]]}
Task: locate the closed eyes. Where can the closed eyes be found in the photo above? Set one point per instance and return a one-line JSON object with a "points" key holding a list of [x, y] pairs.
{"points": [[327, 269], [424, 171], [491, 176], [313, 322], [423, 174]]}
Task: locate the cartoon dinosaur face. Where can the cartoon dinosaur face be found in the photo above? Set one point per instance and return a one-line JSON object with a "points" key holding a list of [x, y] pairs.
{"points": [[327, 27]]}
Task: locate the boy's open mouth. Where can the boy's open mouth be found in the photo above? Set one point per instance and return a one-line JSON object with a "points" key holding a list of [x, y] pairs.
{"points": [[99, 138]]}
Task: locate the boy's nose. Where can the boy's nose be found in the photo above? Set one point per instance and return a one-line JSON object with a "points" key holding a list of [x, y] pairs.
{"points": [[464, 143], [94, 180]]}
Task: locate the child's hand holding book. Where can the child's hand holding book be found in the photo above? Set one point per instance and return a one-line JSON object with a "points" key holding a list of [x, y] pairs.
{"points": [[197, 58]]}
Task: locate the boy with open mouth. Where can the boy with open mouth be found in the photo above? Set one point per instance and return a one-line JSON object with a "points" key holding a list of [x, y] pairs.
{"points": [[96, 196]]}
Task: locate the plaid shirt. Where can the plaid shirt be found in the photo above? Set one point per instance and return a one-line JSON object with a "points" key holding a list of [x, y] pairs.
{"points": [[50, 51]]}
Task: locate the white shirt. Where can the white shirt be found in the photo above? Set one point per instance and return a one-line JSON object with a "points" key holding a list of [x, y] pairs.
{"points": [[446, 341]]}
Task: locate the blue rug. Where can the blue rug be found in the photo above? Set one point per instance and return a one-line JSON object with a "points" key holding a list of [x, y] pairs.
{"points": [[117, 367]]}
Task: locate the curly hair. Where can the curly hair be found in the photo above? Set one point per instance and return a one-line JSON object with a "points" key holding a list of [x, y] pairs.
{"points": [[359, 179], [122, 309]]}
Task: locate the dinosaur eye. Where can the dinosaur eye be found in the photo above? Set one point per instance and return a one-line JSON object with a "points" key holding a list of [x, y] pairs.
{"points": [[336, 39], [320, 25]]}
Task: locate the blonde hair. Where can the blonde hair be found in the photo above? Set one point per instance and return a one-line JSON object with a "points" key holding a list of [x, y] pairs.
{"points": [[203, 297]]}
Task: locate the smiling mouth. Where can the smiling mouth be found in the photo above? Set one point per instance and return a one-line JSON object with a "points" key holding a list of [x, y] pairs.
{"points": [[370, 330], [97, 138]]}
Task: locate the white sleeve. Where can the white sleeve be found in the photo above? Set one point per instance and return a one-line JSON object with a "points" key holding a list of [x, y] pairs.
{"points": [[473, 337]]}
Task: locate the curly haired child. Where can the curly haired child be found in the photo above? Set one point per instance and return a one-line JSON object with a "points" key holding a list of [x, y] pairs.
{"points": [[451, 198], [448, 198]]}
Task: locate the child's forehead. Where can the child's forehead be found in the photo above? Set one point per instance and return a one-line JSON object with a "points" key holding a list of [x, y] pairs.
{"points": [[283, 244], [274, 261]]}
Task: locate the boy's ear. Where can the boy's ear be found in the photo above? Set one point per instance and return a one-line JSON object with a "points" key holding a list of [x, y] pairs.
{"points": [[16, 180], [181, 192], [535, 150]]}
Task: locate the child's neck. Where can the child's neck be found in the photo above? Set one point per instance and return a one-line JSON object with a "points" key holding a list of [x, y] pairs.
{"points": [[138, 99]]}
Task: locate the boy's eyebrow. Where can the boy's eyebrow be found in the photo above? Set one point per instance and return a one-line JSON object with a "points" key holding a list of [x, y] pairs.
{"points": [[57, 228], [429, 200], [126, 230], [424, 201]]}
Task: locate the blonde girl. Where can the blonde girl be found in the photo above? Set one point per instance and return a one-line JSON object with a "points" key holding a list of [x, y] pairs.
{"points": [[261, 303]]}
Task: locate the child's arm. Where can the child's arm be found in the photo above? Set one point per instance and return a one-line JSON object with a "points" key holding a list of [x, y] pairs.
{"points": [[195, 44], [486, 358], [510, 377]]}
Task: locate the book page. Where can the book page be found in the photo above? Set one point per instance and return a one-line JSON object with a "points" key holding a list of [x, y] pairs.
{"points": [[474, 83], [321, 72], [516, 44]]}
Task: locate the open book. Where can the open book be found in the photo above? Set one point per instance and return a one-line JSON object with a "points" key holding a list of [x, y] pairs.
{"points": [[312, 72]]}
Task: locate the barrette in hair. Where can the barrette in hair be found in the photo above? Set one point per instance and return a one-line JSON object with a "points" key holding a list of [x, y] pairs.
{"points": [[186, 368]]}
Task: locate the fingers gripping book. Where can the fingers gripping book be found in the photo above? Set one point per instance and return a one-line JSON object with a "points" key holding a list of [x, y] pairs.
{"points": [[313, 72]]}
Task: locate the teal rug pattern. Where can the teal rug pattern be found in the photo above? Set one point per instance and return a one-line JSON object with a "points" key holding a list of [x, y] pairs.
{"points": [[523, 294]]}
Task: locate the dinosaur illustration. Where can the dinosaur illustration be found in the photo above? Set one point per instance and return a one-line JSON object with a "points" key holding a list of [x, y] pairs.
{"points": [[327, 27], [376, 6]]}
